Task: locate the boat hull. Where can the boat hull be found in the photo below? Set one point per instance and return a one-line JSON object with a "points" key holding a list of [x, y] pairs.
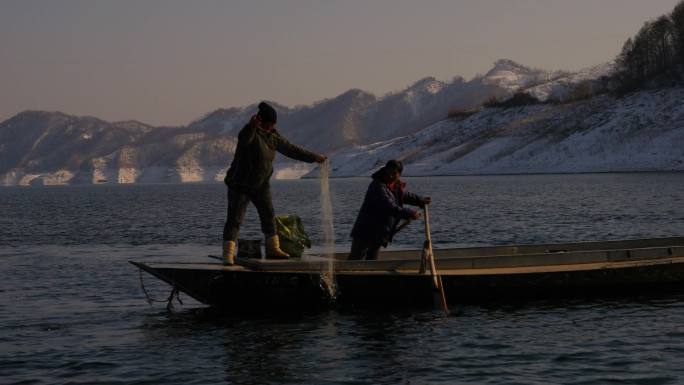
{"points": [[238, 287]]}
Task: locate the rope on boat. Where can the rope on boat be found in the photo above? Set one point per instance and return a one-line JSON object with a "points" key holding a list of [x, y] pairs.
{"points": [[150, 300], [148, 297], [174, 292]]}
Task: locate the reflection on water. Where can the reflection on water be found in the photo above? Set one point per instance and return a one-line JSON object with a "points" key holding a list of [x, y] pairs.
{"points": [[82, 317], [583, 341], [466, 210], [72, 310]]}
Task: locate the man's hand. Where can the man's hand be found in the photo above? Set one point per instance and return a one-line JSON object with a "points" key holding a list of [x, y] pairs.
{"points": [[321, 158], [425, 201], [415, 214]]}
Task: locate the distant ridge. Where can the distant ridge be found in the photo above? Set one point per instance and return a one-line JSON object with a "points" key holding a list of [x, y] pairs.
{"points": [[38, 147]]}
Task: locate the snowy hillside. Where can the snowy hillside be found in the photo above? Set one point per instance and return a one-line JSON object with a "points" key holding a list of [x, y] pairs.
{"points": [[542, 84], [640, 132], [560, 85], [513, 76], [361, 131]]}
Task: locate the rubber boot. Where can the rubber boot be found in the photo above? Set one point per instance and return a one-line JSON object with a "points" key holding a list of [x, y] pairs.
{"points": [[229, 252], [273, 249]]}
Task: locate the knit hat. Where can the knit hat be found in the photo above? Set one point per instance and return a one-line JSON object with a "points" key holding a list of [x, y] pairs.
{"points": [[267, 113], [394, 165], [386, 172]]}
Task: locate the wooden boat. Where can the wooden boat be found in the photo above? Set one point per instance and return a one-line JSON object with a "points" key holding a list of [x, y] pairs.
{"points": [[468, 274]]}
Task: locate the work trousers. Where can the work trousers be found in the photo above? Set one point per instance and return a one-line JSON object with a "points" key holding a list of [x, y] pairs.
{"points": [[237, 205], [363, 248]]}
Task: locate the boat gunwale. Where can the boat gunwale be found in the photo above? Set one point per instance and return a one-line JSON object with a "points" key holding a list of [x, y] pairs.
{"points": [[535, 248], [562, 261]]}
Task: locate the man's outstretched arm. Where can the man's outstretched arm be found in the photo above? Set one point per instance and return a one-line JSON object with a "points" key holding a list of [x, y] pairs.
{"points": [[295, 152]]}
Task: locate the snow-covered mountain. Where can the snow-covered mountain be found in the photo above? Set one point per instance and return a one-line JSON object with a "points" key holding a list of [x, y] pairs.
{"points": [[542, 84], [561, 84], [357, 117], [513, 76], [643, 131], [357, 129], [54, 148]]}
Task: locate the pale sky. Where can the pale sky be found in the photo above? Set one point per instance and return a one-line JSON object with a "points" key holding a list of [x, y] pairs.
{"points": [[168, 62]]}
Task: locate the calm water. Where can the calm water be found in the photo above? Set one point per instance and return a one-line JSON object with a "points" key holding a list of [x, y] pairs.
{"points": [[72, 311]]}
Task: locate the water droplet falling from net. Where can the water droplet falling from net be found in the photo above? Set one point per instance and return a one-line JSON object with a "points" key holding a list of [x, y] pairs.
{"points": [[328, 273]]}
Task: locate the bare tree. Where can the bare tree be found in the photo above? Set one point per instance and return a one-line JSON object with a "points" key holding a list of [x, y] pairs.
{"points": [[654, 52], [677, 17], [662, 40]]}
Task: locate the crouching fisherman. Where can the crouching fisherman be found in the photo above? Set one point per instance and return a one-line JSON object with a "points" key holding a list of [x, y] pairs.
{"points": [[382, 208], [248, 179]]}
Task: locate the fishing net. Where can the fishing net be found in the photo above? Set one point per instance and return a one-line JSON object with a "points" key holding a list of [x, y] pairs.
{"points": [[293, 237]]}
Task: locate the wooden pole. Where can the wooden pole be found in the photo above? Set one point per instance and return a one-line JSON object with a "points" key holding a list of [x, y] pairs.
{"points": [[436, 278]]}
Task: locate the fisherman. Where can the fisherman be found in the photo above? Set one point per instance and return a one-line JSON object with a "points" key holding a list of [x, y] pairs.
{"points": [[382, 208], [248, 179]]}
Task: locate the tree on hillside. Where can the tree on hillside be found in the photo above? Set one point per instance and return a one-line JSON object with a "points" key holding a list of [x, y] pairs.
{"points": [[656, 51], [660, 36], [677, 17], [519, 99], [635, 59]]}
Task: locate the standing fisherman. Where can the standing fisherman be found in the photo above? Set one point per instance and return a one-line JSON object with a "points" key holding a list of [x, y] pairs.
{"points": [[382, 208], [248, 179]]}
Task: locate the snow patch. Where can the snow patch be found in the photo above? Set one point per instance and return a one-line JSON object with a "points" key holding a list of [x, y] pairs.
{"points": [[292, 170], [641, 132]]}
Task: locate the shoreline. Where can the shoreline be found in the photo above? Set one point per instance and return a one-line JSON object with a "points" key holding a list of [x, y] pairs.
{"points": [[351, 177]]}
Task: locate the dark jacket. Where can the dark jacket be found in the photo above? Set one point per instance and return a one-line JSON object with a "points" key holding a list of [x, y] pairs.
{"points": [[252, 164], [381, 211]]}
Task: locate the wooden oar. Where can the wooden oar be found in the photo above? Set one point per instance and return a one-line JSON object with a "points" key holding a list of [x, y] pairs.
{"points": [[436, 278]]}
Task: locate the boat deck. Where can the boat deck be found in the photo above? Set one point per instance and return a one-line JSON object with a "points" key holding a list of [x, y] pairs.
{"points": [[495, 272], [497, 259]]}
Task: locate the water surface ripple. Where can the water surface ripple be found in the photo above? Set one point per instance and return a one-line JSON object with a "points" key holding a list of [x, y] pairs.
{"points": [[72, 310]]}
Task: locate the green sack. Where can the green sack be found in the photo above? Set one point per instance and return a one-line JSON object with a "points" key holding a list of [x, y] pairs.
{"points": [[293, 238]]}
